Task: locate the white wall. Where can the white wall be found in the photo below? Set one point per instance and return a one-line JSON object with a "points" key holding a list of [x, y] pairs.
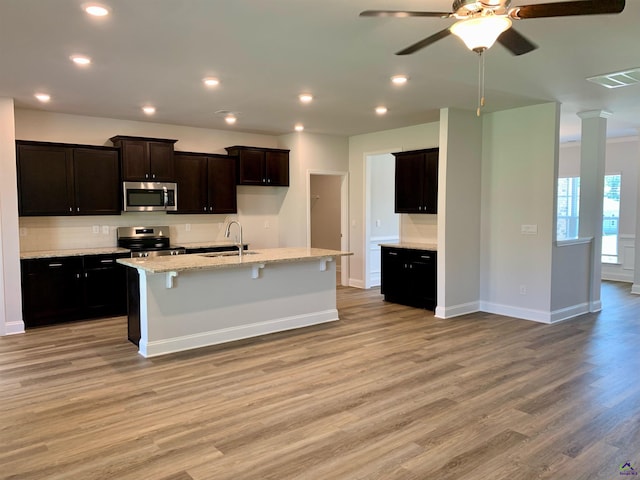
{"points": [[459, 214], [10, 291], [519, 155], [408, 138]]}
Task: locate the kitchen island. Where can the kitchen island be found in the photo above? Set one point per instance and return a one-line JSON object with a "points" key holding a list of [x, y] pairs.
{"points": [[190, 301]]}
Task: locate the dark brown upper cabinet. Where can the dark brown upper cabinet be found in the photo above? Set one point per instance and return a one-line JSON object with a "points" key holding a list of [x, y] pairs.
{"points": [[206, 183], [146, 159], [261, 166], [63, 179], [416, 181]]}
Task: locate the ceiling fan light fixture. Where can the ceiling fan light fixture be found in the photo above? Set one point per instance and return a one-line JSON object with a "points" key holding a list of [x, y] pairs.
{"points": [[480, 33]]}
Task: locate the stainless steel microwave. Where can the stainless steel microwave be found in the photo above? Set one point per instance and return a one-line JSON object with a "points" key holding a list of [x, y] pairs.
{"points": [[150, 196]]}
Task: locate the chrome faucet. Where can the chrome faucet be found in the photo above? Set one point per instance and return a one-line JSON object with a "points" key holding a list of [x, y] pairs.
{"points": [[228, 232]]}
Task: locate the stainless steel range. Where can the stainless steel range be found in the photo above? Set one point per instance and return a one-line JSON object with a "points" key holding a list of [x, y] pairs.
{"points": [[147, 241]]}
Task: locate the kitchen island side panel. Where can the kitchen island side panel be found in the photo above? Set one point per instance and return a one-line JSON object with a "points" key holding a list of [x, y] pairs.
{"points": [[208, 307]]}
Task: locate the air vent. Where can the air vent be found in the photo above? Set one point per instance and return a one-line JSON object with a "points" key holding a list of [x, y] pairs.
{"points": [[617, 79]]}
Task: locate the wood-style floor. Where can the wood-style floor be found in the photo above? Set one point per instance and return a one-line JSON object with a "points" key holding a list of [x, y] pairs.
{"points": [[388, 392]]}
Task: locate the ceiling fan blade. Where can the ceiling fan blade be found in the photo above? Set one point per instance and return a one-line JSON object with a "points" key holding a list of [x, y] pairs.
{"points": [[562, 9], [402, 14], [515, 42], [425, 42]]}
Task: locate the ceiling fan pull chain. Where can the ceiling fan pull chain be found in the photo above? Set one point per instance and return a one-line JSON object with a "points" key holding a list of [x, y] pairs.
{"points": [[480, 82]]}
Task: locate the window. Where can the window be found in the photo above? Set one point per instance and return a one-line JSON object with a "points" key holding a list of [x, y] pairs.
{"points": [[610, 218], [568, 213], [568, 207]]}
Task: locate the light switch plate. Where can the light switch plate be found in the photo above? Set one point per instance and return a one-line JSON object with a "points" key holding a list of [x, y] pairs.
{"points": [[95, 229], [529, 229], [105, 229]]}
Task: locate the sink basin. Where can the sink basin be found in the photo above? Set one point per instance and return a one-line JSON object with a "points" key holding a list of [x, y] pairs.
{"points": [[234, 253]]}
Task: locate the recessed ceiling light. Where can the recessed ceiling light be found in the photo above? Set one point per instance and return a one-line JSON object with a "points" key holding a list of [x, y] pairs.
{"points": [[149, 110], [299, 127], [399, 79], [80, 60], [230, 119], [211, 81], [381, 110], [95, 9], [305, 97], [43, 97]]}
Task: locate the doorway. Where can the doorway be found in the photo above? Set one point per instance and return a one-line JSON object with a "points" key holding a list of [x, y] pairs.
{"points": [[327, 214]]}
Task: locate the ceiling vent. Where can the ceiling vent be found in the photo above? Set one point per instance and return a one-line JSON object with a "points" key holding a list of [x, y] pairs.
{"points": [[617, 79]]}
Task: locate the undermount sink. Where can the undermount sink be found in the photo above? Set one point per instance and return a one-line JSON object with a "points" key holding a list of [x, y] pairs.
{"points": [[234, 253]]}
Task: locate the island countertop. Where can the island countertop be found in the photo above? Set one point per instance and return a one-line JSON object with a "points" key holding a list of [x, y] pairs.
{"points": [[198, 261]]}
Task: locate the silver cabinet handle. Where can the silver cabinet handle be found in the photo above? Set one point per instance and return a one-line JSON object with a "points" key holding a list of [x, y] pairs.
{"points": [[393, 253], [53, 265], [109, 260], [428, 257]]}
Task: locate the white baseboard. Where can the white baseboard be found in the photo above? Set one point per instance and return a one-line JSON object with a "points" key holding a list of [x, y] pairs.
{"points": [[214, 337], [617, 277], [569, 312], [356, 283], [13, 328], [516, 312], [457, 310]]}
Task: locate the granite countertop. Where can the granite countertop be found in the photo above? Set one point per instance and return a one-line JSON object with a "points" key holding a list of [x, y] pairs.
{"points": [[180, 263], [412, 246], [211, 244], [76, 252]]}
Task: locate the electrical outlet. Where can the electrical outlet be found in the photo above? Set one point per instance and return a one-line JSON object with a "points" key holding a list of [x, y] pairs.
{"points": [[187, 227], [378, 222], [23, 231], [523, 289], [95, 229], [266, 224], [105, 229]]}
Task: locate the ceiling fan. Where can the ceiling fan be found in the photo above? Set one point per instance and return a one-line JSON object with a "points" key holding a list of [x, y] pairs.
{"points": [[482, 22]]}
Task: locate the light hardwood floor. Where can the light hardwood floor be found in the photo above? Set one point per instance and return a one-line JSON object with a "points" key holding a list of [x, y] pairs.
{"points": [[388, 392]]}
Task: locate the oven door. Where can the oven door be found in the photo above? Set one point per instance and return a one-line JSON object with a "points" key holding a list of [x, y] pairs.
{"points": [[149, 196]]}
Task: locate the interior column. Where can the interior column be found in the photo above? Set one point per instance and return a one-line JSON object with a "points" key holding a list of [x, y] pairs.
{"points": [[592, 166], [10, 291]]}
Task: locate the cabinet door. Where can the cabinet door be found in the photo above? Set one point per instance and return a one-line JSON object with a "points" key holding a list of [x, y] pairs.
{"points": [[393, 281], [135, 160], [422, 276], [191, 177], [430, 194], [105, 286], [96, 181], [161, 161], [409, 183], [251, 170], [51, 290], [45, 180], [222, 185], [277, 168]]}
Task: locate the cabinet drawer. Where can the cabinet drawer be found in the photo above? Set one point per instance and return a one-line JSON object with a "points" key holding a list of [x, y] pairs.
{"points": [[102, 261], [41, 265]]}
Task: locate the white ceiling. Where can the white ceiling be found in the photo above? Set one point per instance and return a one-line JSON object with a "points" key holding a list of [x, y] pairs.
{"points": [[266, 52]]}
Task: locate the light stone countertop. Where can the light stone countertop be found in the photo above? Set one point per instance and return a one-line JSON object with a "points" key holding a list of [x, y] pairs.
{"points": [[181, 263], [75, 252], [412, 246], [210, 244]]}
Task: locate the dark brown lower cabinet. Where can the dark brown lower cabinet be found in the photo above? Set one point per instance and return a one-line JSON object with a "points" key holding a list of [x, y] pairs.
{"points": [[62, 289], [409, 276]]}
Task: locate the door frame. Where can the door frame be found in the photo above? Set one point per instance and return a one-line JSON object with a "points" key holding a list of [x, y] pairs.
{"points": [[344, 217]]}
